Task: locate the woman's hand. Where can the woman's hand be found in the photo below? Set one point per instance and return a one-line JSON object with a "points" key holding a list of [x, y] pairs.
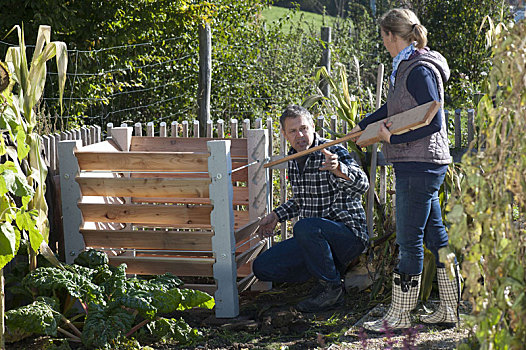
{"points": [[383, 133], [353, 131]]}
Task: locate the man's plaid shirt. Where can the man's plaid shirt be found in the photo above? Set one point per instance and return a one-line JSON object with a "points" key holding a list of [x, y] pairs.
{"points": [[321, 194]]}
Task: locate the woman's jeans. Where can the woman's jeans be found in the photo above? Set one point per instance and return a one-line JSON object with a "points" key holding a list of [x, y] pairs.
{"points": [[319, 248], [418, 220]]}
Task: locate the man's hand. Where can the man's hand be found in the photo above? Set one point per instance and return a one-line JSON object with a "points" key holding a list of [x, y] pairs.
{"points": [[331, 162], [383, 133], [267, 225]]}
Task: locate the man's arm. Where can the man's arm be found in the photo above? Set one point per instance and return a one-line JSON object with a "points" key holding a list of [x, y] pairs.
{"points": [[350, 175]]}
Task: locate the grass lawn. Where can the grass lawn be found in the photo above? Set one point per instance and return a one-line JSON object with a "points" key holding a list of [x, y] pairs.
{"points": [[288, 16]]}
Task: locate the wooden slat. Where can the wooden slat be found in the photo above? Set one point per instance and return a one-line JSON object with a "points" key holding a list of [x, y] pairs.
{"points": [[402, 122], [148, 239], [238, 148], [144, 187], [105, 146], [251, 253], [246, 282], [240, 175], [161, 265], [247, 230], [149, 214], [143, 161], [240, 198]]}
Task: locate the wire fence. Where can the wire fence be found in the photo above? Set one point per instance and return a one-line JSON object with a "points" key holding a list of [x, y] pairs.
{"points": [[159, 80]]}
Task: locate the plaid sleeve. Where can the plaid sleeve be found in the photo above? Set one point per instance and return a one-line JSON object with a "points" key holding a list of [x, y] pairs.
{"points": [[358, 183], [287, 210]]}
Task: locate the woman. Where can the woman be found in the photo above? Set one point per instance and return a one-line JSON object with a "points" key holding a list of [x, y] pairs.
{"points": [[420, 159]]}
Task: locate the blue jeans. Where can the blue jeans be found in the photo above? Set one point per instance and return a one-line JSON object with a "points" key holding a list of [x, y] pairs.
{"points": [[319, 248], [418, 220]]}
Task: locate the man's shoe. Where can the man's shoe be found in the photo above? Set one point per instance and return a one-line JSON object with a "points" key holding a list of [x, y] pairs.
{"points": [[330, 295]]}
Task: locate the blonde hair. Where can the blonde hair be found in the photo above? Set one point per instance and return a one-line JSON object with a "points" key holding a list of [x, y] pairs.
{"points": [[405, 24]]}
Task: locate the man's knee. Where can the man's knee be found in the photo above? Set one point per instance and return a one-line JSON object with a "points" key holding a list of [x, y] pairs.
{"points": [[258, 268], [304, 228]]}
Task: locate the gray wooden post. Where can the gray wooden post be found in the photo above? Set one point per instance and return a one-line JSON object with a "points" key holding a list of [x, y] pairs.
{"points": [[246, 127], [70, 195], [98, 136], [374, 158], [326, 57], [258, 184], [257, 146], [334, 123], [458, 129], [205, 75], [196, 128], [150, 129], [45, 145], [319, 125], [270, 152], [185, 128], [471, 125], [221, 128], [233, 128], [209, 129], [162, 130], [283, 182], [222, 221], [109, 126], [138, 129]]}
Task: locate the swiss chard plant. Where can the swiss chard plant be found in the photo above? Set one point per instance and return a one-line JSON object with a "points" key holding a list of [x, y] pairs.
{"points": [[114, 309]]}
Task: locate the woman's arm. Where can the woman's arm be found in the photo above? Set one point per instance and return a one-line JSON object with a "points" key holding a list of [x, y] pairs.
{"points": [[422, 85]]}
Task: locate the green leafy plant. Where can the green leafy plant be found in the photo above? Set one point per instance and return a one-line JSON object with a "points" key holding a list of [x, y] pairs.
{"points": [[115, 307], [23, 207], [487, 212]]}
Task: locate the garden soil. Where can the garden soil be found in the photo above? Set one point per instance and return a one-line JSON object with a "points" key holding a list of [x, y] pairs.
{"points": [[269, 320]]}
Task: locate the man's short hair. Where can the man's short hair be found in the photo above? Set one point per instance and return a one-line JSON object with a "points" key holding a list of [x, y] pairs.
{"points": [[294, 111]]}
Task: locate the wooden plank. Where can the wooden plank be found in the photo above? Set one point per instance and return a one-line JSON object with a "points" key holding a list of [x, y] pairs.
{"points": [[183, 144], [161, 265], [240, 198], [250, 254], [105, 146], [148, 214], [402, 122], [348, 137], [143, 161], [238, 176], [144, 187], [247, 230], [148, 239], [151, 215], [246, 282]]}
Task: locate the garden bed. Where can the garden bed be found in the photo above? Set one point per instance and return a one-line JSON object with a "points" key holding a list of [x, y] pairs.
{"points": [[269, 320]]}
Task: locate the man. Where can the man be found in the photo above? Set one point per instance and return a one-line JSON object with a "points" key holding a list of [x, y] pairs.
{"points": [[327, 189]]}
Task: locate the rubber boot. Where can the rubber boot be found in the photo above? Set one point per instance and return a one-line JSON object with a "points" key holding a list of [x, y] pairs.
{"points": [[449, 291], [404, 299]]}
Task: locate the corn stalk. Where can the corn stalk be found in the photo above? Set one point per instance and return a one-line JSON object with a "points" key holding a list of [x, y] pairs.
{"points": [[23, 169]]}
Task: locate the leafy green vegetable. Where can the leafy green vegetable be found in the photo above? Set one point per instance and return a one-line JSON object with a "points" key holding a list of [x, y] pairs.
{"points": [[40, 317], [51, 278], [91, 258], [165, 330], [104, 325]]}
